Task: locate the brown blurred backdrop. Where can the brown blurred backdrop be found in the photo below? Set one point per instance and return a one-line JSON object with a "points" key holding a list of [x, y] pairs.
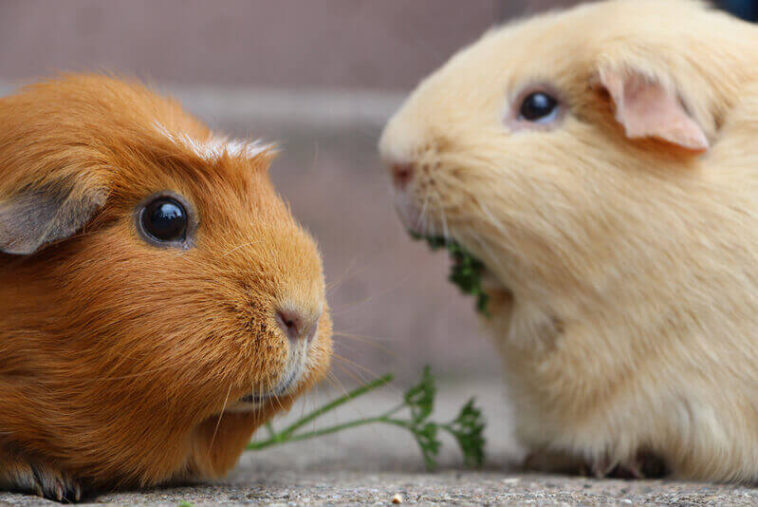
{"points": [[379, 45], [320, 77]]}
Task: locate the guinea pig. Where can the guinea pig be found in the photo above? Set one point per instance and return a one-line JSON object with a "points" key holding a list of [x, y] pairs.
{"points": [[158, 302], [602, 163]]}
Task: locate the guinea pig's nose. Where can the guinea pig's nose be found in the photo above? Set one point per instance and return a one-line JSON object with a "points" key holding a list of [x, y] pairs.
{"points": [[402, 174], [296, 325]]}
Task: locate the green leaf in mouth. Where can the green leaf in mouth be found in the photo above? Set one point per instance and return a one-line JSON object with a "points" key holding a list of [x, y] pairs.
{"points": [[466, 270]]}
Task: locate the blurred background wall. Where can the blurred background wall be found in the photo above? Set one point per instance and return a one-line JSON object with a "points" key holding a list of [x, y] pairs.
{"points": [[320, 77], [378, 45]]}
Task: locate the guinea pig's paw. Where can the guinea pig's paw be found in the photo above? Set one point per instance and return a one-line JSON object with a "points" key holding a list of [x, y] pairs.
{"points": [[555, 462], [43, 480], [644, 465]]}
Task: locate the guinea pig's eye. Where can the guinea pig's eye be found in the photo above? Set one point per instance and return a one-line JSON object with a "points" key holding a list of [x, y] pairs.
{"points": [[164, 220], [538, 107]]}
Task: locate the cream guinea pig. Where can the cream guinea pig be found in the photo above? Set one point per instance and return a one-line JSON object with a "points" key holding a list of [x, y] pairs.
{"points": [[602, 163], [158, 302]]}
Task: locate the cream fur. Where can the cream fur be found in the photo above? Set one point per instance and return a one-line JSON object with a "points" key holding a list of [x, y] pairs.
{"points": [[626, 296]]}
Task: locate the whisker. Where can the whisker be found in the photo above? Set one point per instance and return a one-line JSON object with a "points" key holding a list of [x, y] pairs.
{"points": [[260, 397], [358, 372], [278, 401], [220, 416], [443, 220], [345, 276], [350, 373], [422, 213], [355, 407], [337, 310], [364, 340], [343, 391]]}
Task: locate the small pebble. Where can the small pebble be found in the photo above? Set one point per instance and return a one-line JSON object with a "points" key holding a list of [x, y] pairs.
{"points": [[397, 498]]}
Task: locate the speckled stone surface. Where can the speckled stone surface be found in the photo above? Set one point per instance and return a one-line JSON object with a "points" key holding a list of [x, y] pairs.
{"points": [[370, 465], [449, 487]]}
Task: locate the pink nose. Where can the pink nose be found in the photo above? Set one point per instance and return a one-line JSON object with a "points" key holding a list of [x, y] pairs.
{"points": [[402, 174], [296, 326]]}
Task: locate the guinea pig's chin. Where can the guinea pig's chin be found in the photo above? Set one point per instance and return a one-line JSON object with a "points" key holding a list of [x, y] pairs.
{"points": [[290, 378], [255, 401], [409, 213]]}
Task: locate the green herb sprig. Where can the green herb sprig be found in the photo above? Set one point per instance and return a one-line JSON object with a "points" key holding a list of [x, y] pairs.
{"points": [[418, 404], [466, 270]]}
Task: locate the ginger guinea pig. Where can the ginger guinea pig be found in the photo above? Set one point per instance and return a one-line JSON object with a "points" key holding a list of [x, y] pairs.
{"points": [[602, 163], [158, 302]]}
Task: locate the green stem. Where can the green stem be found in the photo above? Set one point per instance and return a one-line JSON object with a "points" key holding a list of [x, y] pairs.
{"points": [[448, 428], [286, 434], [326, 431], [394, 410]]}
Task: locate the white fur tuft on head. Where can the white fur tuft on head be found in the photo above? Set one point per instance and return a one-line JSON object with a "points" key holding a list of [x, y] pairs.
{"points": [[215, 147]]}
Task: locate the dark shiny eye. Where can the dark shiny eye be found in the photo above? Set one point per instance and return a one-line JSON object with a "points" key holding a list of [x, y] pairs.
{"points": [[538, 107], [165, 220]]}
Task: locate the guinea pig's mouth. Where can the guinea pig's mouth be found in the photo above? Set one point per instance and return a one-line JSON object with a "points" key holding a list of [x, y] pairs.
{"points": [[280, 390], [466, 272], [255, 400]]}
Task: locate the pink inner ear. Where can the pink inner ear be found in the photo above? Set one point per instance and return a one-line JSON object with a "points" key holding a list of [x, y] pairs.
{"points": [[647, 109]]}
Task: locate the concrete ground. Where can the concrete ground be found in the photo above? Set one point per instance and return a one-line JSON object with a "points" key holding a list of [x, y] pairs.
{"points": [[373, 464]]}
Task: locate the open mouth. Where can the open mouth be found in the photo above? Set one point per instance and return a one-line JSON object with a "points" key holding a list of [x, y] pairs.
{"points": [[466, 270]]}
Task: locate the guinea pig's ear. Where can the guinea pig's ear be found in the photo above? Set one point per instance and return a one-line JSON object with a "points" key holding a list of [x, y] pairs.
{"points": [[646, 107], [37, 215]]}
